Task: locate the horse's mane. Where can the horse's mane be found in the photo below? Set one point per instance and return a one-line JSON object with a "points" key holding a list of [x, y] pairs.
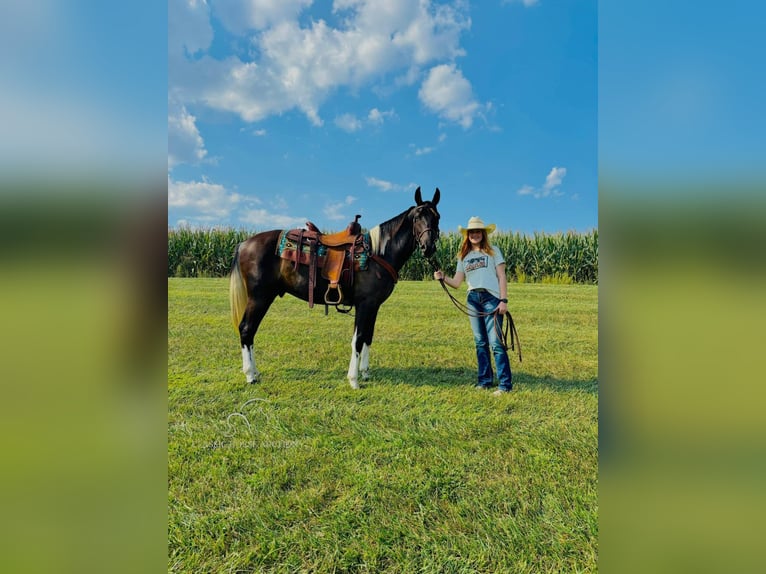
{"points": [[375, 239], [381, 234]]}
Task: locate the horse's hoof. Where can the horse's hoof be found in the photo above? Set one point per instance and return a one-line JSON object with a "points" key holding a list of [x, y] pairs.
{"points": [[354, 384]]}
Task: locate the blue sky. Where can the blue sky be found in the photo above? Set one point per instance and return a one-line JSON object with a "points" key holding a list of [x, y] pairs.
{"points": [[281, 111]]}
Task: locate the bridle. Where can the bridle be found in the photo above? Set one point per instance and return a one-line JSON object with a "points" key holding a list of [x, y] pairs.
{"points": [[427, 229], [502, 333], [419, 235]]}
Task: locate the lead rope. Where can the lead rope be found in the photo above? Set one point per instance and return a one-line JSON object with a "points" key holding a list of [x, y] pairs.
{"points": [[510, 326]]}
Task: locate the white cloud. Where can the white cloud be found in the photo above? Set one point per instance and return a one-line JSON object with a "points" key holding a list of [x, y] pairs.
{"points": [[280, 203], [377, 117], [425, 150], [189, 29], [333, 211], [551, 186], [527, 3], [268, 220], [434, 33], [197, 222], [408, 78], [202, 198], [298, 66], [447, 93], [554, 178], [384, 185], [240, 16], [185, 144], [381, 184], [348, 123]]}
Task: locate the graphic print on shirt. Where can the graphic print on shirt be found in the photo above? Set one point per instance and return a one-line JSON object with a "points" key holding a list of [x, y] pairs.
{"points": [[471, 263]]}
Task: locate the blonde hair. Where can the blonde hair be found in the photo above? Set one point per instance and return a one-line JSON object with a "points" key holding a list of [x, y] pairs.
{"points": [[466, 246]]}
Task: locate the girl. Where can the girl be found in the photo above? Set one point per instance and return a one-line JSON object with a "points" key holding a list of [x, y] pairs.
{"points": [[483, 267]]}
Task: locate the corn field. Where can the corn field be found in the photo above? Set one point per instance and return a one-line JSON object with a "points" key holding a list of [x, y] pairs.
{"points": [[540, 258]]}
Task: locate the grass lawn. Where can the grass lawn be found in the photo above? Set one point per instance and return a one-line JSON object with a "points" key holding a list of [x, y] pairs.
{"points": [[415, 472]]}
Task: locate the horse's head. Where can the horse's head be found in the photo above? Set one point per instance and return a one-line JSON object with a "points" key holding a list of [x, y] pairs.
{"points": [[425, 223]]}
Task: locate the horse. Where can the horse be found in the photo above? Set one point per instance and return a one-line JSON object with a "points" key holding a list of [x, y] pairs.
{"points": [[259, 274]]}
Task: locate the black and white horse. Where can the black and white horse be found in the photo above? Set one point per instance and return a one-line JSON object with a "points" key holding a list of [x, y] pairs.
{"points": [[259, 274]]}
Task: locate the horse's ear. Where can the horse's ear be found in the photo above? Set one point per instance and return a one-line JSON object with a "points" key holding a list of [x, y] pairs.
{"points": [[437, 196], [418, 198]]}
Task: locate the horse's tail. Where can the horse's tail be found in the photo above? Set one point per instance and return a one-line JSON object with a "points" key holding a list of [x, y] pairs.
{"points": [[237, 291]]}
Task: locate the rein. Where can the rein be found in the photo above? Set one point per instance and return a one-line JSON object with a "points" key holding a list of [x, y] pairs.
{"points": [[503, 334]]}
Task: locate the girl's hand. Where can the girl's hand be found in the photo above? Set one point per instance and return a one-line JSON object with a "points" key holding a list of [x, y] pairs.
{"points": [[438, 275], [502, 308]]}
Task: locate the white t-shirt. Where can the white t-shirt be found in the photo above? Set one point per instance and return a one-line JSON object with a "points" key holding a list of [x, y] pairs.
{"points": [[480, 270]]}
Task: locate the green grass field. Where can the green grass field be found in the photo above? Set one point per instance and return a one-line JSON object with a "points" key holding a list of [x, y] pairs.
{"points": [[415, 472]]}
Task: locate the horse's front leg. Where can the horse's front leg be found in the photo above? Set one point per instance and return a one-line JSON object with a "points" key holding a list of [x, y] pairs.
{"points": [[353, 364], [364, 362], [360, 345]]}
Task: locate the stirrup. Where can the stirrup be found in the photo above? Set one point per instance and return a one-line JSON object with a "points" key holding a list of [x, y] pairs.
{"points": [[338, 301]]}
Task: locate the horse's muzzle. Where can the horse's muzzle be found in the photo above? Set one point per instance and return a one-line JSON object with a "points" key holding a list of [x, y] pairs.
{"points": [[428, 250]]}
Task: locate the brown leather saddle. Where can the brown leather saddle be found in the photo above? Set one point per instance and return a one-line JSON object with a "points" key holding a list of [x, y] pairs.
{"points": [[336, 254]]}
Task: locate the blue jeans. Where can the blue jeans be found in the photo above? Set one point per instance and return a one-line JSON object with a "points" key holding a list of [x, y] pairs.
{"points": [[486, 336]]}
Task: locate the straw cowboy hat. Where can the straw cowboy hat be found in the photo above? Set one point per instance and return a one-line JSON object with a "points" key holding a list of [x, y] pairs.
{"points": [[476, 223]]}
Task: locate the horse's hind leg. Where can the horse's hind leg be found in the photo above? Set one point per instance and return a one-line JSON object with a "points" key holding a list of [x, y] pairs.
{"points": [[248, 327], [252, 374]]}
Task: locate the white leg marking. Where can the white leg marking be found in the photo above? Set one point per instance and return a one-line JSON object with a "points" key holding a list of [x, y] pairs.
{"points": [[248, 365], [353, 365], [364, 365]]}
